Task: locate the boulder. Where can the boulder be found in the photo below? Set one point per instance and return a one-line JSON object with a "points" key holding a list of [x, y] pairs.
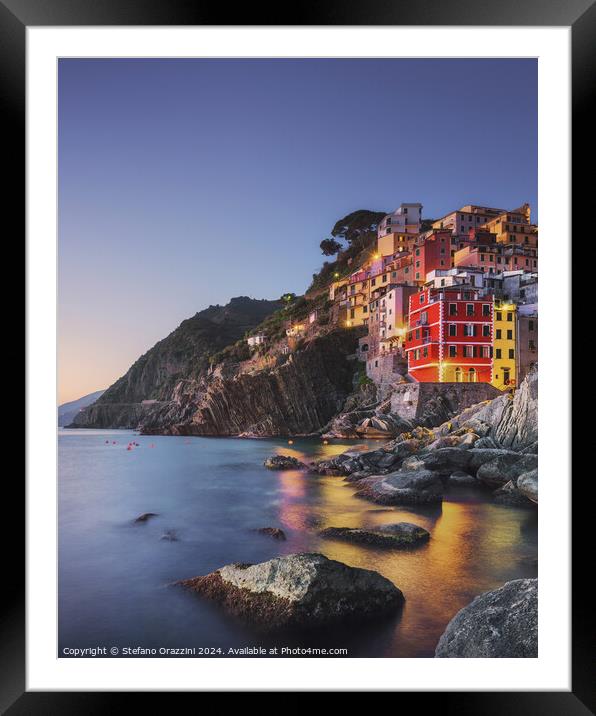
{"points": [[402, 534], [478, 456], [508, 494], [527, 484], [502, 624], [447, 459], [274, 532], [406, 531], [468, 440], [462, 479], [486, 442], [417, 487], [298, 590], [283, 462], [502, 469]]}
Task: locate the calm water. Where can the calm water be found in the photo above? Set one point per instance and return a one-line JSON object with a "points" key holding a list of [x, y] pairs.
{"points": [[213, 492]]}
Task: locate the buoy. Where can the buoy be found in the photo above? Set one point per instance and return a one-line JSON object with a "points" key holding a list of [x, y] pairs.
{"points": [[290, 442]]}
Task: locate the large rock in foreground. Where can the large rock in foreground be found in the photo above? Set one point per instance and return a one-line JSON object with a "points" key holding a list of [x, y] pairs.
{"points": [[502, 624], [298, 590], [409, 487]]}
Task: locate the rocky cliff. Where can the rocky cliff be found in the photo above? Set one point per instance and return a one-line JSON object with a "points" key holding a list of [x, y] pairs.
{"points": [[298, 396], [184, 354]]}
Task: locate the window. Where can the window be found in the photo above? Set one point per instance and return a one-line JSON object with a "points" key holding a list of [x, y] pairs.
{"points": [[530, 325], [417, 333], [498, 353], [499, 316], [499, 333], [472, 375], [510, 316], [351, 313], [486, 330], [425, 351], [468, 351], [486, 309], [458, 375], [486, 351], [421, 298], [452, 329], [509, 335], [469, 329], [511, 353], [453, 309], [452, 351], [469, 309]]}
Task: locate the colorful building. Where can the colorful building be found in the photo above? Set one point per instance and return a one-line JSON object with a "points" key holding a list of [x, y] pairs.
{"points": [[449, 336], [468, 217], [433, 253], [527, 339], [504, 373], [399, 229]]}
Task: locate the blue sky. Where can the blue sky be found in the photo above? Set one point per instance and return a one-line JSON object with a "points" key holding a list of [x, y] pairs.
{"points": [[185, 182]]}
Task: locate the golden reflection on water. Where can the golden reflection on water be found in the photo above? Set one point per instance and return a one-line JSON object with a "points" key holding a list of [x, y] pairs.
{"points": [[475, 546]]}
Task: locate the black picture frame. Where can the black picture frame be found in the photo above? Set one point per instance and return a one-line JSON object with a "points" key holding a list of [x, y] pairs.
{"points": [[580, 15]]}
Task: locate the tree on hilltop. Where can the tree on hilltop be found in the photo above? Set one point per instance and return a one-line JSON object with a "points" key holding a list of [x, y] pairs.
{"points": [[330, 247], [359, 228]]}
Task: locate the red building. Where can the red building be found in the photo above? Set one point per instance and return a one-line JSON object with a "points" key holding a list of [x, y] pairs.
{"points": [[434, 253], [450, 334]]}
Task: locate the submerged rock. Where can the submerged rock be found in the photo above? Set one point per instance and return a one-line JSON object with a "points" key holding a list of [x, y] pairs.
{"points": [[502, 624], [169, 536], [146, 516], [298, 590], [402, 488], [402, 534], [274, 532], [283, 462]]}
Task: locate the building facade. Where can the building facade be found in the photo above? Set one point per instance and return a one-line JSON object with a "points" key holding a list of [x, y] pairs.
{"points": [[504, 372], [449, 336]]}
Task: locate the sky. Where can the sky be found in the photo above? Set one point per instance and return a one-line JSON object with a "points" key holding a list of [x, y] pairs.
{"points": [[183, 183]]}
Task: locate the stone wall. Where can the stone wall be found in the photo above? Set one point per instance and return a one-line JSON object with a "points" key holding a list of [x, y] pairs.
{"points": [[386, 368], [416, 400]]}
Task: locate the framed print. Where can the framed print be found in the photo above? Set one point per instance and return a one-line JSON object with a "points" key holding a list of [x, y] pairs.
{"points": [[285, 409]]}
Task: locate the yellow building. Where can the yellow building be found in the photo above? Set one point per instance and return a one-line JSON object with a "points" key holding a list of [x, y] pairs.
{"points": [[390, 244], [357, 306], [513, 228], [504, 345]]}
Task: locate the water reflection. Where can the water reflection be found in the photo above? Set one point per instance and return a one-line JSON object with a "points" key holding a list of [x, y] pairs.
{"points": [[213, 493], [475, 546]]}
